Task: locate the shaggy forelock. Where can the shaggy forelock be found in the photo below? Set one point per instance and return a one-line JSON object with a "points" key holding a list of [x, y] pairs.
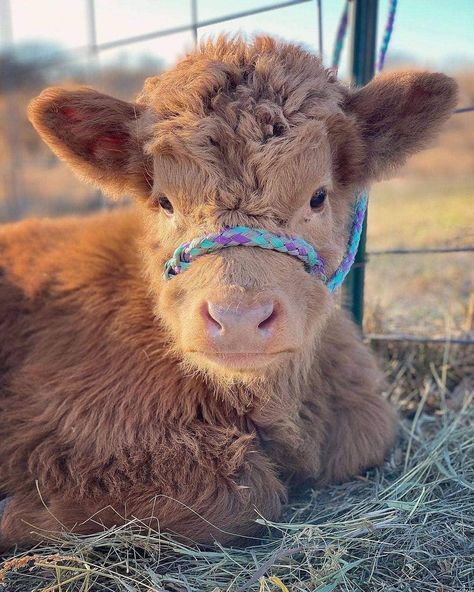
{"points": [[274, 84], [231, 105], [283, 77]]}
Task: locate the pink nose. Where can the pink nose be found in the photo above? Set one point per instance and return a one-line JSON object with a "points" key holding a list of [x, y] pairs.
{"points": [[242, 327]]}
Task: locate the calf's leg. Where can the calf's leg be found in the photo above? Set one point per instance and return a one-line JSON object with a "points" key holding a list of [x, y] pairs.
{"points": [[340, 424], [360, 424], [206, 509]]}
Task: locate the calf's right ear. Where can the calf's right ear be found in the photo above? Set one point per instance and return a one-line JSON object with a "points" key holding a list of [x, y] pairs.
{"points": [[97, 136], [400, 113]]}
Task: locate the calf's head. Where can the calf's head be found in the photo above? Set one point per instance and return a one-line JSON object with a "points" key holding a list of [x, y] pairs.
{"points": [[257, 135]]}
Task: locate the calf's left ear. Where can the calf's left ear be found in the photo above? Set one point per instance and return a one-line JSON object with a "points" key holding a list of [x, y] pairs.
{"points": [[399, 114], [96, 135]]}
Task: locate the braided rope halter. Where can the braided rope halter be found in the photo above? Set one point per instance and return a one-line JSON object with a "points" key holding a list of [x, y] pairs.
{"points": [[294, 246], [243, 236]]}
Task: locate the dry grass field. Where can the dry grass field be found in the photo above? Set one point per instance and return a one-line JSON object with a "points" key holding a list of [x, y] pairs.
{"points": [[420, 293], [429, 204]]}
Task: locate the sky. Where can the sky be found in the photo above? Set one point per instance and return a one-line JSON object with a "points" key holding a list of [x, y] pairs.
{"points": [[432, 33]]}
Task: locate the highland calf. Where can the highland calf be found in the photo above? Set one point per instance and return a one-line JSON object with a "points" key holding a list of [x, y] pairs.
{"points": [[195, 402]]}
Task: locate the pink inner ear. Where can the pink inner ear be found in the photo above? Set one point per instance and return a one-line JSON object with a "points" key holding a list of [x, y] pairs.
{"points": [[106, 146], [71, 113], [110, 141]]}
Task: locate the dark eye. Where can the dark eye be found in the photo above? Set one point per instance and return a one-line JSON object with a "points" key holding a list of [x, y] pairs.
{"points": [[165, 204], [318, 199]]}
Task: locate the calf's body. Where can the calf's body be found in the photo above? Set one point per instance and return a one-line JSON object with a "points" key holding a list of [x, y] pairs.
{"points": [[194, 404], [99, 416]]}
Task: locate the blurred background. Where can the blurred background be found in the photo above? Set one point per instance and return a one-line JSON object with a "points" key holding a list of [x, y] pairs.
{"points": [[113, 45]]}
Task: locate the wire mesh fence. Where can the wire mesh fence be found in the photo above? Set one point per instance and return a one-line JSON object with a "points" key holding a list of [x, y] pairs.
{"points": [[16, 198], [24, 166]]}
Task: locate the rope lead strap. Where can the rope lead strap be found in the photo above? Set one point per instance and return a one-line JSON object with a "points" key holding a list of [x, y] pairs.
{"points": [[342, 30]]}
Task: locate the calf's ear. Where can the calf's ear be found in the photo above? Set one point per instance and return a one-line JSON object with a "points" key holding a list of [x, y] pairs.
{"points": [[96, 135], [399, 114]]}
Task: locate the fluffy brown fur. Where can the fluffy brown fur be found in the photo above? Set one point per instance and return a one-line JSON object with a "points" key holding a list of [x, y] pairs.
{"points": [[115, 400]]}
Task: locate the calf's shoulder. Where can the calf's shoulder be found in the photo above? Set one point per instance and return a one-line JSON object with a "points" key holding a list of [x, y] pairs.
{"points": [[47, 265], [47, 256]]}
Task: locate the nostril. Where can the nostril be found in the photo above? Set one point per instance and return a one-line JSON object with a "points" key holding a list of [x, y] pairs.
{"points": [[211, 317], [270, 316]]}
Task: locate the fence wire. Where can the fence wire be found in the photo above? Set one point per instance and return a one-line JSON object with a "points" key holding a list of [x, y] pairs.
{"points": [[93, 49]]}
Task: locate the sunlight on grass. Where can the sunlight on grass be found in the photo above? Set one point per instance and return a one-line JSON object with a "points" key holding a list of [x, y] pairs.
{"points": [[408, 213], [420, 293]]}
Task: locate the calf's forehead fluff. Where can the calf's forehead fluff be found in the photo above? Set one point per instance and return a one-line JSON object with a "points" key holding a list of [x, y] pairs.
{"points": [[244, 112], [231, 73]]}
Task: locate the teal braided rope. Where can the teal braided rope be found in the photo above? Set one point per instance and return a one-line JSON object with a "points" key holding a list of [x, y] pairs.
{"points": [[360, 209], [387, 34], [243, 236]]}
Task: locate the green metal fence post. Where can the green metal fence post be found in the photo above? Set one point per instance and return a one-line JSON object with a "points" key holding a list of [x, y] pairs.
{"points": [[363, 19]]}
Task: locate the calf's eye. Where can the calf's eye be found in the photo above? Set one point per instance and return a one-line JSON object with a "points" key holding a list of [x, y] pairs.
{"points": [[318, 199], [165, 204]]}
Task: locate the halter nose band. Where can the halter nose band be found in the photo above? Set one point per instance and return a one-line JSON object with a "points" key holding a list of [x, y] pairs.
{"points": [[243, 236]]}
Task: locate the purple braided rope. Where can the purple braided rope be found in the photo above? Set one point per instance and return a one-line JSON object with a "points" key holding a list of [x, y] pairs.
{"points": [[341, 34], [387, 35], [243, 236], [341, 272]]}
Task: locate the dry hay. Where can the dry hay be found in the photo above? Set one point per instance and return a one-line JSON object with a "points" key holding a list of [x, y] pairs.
{"points": [[406, 527]]}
